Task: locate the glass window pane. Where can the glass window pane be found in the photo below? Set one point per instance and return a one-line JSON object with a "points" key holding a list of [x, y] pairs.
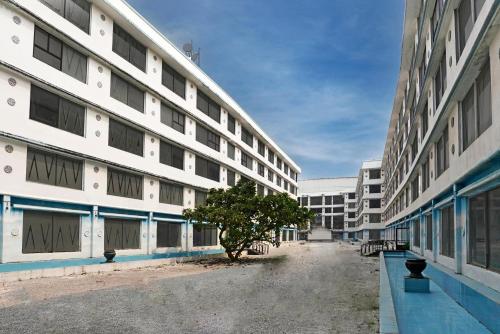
{"points": [[56, 5], [477, 229], [74, 63], [494, 228], [171, 193], [118, 88], [468, 119], [78, 13], [71, 117], [484, 99], [135, 98], [44, 106]]}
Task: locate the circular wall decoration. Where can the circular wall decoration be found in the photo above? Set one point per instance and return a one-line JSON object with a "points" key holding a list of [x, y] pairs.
{"points": [[7, 169], [99, 84], [99, 234], [151, 196], [154, 100], [432, 175], [155, 58], [86, 234], [189, 191], [14, 232], [98, 118], [152, 113], [431, 155], [154, 69], [16, 19], [453, 149], [152, 140], [12, 82], [153, 235], [96, 169], [102, 32], [100, 69], [11, 102], [15, 39], [450, 61], [449, 35], [152, 153], [98, 133], [452, 121], [103, 17], [189, 166], [9, 148], [96, 185], [152, 182]]}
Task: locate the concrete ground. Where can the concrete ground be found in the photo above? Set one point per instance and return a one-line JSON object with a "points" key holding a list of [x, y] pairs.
{"points": [[310, 288]]}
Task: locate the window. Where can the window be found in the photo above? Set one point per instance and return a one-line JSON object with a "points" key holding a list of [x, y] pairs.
{"points": [[278, 181], [124, 184], [425, 174], [428, 232], [56, 111], [414, 148], [208, 106], [414, 189], [338, 222], [285, 185], [278, 163], [204, 235], [230, 150], [285, 169], [328, 210], [374, 174], [231, 178], [293, 175], [172, 118], [425, 120], [53, 169], [122, 234], [352, 196], [171, 79], [305, 201], [465, 15], [57, 54], [374, 203], [328, 200], [260, 169], [416, 233], [270, 175], [316, 200], [440, 82], [270, 156], [207, 137], [246, 137], [484, 227], [353, 215], [442, 155], [269, 191], [328, 222], [447, 232], [374, 234], [208, 169], [374, 188], [168, 234], [338, 199], [231, 124], [49, 232], [373, 218], [75, 11], [261, 148], [200, 198], [436, 15], [476, 108], [126, 138], [260, 190], [171, 155], [129, 48], [127, 93], [246, 160], [171, 193], [338, 209]]}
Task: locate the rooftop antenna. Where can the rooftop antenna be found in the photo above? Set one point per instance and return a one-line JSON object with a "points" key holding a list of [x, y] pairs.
{"points": [[188, 50]]}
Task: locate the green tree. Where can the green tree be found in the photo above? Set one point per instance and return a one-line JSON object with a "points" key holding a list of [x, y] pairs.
{"points": [[243, 217]]}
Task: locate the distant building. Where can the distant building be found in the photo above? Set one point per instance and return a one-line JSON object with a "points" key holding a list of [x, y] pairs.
{"points": [[333, 200]]}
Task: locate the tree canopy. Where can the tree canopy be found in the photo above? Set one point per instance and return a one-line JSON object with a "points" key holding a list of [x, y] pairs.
{"points": [[243, 217]]}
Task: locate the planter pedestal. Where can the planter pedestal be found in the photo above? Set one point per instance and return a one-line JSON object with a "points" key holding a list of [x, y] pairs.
{"points": [[416, 284]]}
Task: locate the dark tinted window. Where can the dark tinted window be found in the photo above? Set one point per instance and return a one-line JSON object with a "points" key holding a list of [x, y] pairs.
{"points": [[126, 138], [75, 11], [200, 197], [50, 109], [447, 232], [208, 169], [124, 184], [207, 137], [122, 234], [129, 48], [208, 106], [54, 169], [168, 234], [171, 193], [246, 137], [48, 232], [127, 93], [442, 155], [171, 79], [270, 158], [171, 155], [260, 169], [246, 160], [261, 148], [57, 54], [231, 178], [172, 118], [204, 235], [230, 150], [231, 123]]}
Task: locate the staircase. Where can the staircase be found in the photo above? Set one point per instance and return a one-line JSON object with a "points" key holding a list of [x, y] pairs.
{"points": [[319, 234]]}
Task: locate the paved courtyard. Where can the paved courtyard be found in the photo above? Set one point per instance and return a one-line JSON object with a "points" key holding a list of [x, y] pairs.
{"points": [[310, 288]]}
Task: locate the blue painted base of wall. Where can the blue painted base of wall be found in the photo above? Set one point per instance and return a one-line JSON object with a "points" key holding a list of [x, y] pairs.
{"points": [[25, 266], [418, 285]]}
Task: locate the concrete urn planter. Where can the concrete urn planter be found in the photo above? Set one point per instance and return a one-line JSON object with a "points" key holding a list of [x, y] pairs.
{"points": [[416, 266], [109, 255]]}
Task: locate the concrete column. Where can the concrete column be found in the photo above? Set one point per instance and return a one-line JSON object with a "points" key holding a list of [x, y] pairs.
{"points": [[188, 234], [422, 235], [459, 220], [4, 219], [98, 233], [93, 230], [151, 231], [435, 231]]}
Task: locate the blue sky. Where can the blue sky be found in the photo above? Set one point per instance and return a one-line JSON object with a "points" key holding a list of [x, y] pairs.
{"points": [[318, 76]]}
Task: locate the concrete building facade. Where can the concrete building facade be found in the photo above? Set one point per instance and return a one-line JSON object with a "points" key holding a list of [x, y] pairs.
{"points": [[332, 200], [369, 202], [108, 132], [442, 153]]}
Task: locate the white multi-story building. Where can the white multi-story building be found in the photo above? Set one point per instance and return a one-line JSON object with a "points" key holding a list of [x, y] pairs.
{"points": [[332, 200], [108, 132], [369, 205], [442, 154]]}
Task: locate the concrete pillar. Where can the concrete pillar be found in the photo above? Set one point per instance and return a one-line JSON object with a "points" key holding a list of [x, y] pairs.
{"points": [[435, 232], [4, 219], [459, 219], [421, 218], [151, 231], [98, 233]]}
